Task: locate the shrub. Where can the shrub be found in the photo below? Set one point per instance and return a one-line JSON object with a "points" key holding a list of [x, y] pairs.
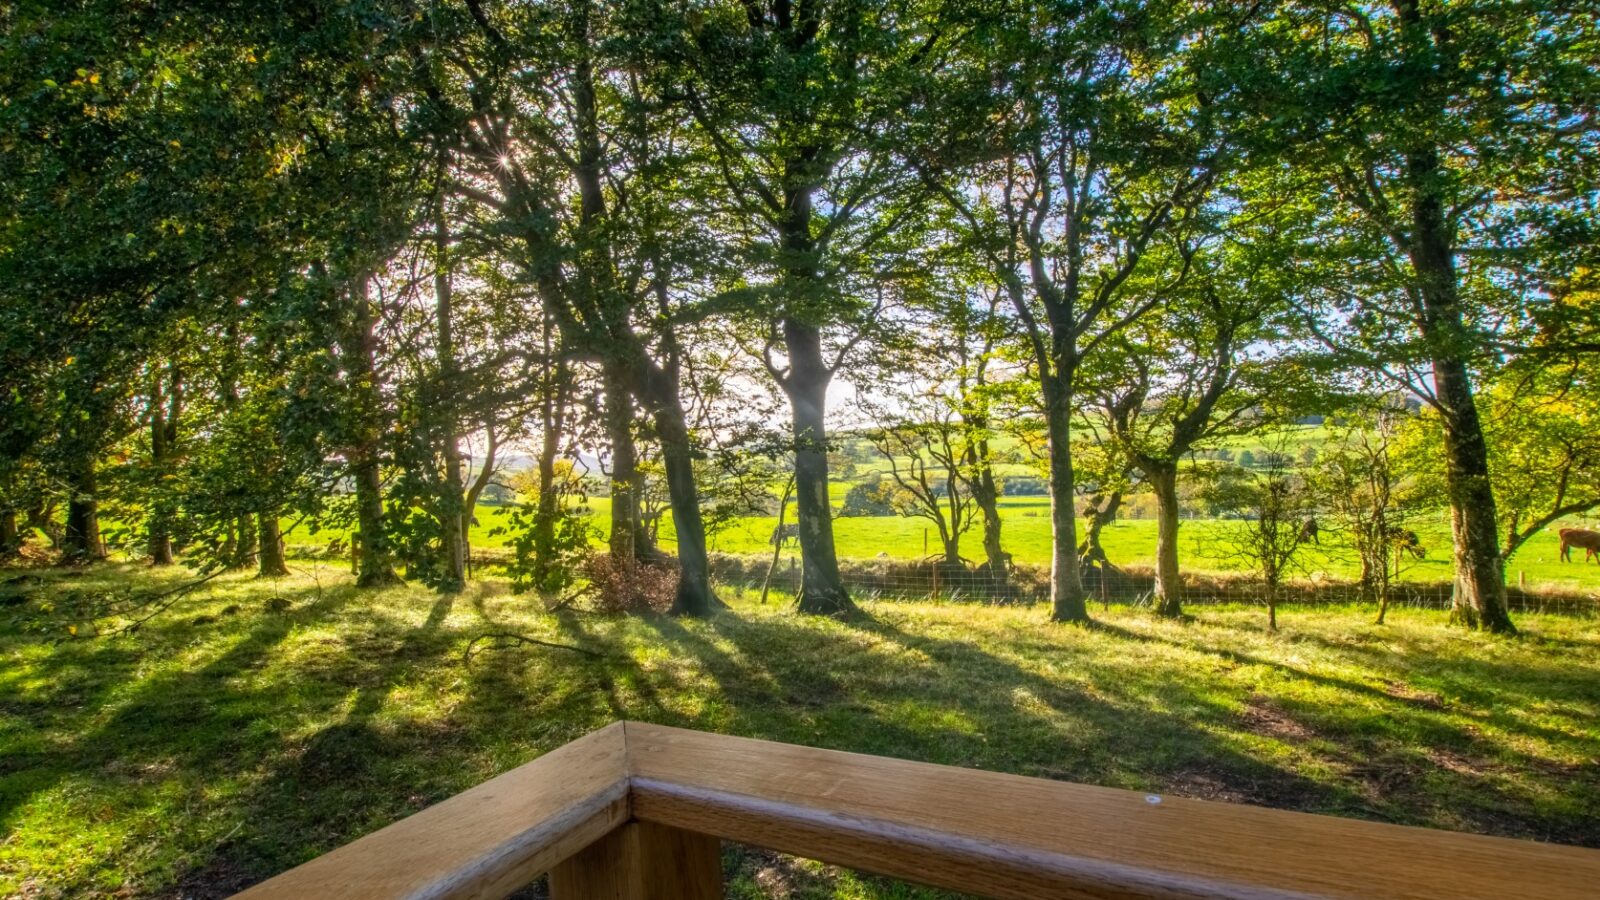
{"points": [[873, 497], [1024, 486], [622, 586]]}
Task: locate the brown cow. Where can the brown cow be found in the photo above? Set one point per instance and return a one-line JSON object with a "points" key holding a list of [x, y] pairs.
{"points": [[1309, 529], [1579, 537], [1404, 541]]}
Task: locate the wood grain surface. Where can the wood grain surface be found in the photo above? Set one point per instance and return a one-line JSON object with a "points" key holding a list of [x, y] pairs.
{"points": [[483, 843], [642, 861], [1009, 836], [638, 809]]}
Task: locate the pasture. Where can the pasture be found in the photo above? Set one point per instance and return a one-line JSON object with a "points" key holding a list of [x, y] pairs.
{"points": [[1026, 530], [260, 723]]}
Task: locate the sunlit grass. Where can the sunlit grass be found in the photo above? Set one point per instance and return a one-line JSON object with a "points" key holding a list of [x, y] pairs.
{"points": [[209, 750]]}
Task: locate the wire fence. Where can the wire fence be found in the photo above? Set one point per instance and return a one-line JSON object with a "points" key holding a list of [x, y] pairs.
{"points": [[937, 580]]}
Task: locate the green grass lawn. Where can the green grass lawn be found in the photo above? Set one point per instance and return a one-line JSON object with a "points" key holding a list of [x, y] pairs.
{"points": [[1026, 532], [225, 742]]}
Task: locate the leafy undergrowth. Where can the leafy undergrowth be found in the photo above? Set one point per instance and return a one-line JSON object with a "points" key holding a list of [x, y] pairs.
{"points": [[237, 734]]}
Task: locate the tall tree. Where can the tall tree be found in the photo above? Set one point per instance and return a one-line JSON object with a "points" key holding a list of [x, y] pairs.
{"points": [[1212, 361], [164, 408], [1106, 144], [804, 109], [365, 413], [1445, 142], [562, 158]]}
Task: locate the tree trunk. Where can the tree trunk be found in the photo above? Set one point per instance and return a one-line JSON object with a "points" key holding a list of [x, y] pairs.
{"points": [[41, 516], [1480, 601], [1480, 598], [469, 506], [160, 543], [269, 559], [452, 518], [1383, 589], [81, 540], [166, 399], [1169, 583], [777, 544], [245, 549], [659, 388], [374, 567], [986, 494], [552, 428], [1091, 551], [10, 540], [629, 538], [1068, 602], [952, 546], [821, 587]]}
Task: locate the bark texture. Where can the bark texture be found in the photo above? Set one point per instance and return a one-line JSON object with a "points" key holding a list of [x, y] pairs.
{"points": [[659, 388], [374, 566], [1068, 602], [452, 512], [166, 399], [10, 539], [1163, 481], [629, 537], [270, 562], [1480, 596], [81, 542], [822, 590]]}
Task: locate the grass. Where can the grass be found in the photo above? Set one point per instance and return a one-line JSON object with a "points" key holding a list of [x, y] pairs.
{"points": [[225, 742], [1026, 534]]}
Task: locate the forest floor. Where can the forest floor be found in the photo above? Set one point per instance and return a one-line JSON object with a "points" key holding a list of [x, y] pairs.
{"points": [[257, 724]]}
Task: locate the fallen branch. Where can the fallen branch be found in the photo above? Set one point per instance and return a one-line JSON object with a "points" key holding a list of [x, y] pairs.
{"points": [[151, 606], [472, 645], [565, 603]]}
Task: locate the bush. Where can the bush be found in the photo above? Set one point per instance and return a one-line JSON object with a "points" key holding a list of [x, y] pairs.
{"points": [[1024, 486], [874, 497], [626, 586]]}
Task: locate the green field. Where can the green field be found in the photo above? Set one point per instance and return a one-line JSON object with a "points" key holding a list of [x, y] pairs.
{"points": [[1128, 541], [225, 742], [1026, 531]]}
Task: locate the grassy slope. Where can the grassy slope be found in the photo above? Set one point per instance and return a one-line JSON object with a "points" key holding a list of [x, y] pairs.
{"points": [[203, 753]]}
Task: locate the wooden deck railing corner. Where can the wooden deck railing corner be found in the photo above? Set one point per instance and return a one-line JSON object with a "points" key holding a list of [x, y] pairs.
{"points": [[636, 811]]}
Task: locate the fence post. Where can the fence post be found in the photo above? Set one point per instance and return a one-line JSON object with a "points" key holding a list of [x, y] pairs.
{"points": [[642, 861]]}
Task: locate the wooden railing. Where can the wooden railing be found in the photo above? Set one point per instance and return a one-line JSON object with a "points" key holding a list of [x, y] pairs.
{"points": [[637, 811]]}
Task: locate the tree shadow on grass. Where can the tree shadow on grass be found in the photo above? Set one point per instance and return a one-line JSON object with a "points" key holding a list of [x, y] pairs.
{"points": [[374, 766], [1422, 760], [198, 716], [875, 684], [879, 689], [339, 781]]}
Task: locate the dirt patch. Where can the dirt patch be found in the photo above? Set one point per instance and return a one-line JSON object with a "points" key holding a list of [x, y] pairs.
{"points": [[221, 876], [1423, 699], [1203, 785], [1262, 716], [1262, 787]]}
